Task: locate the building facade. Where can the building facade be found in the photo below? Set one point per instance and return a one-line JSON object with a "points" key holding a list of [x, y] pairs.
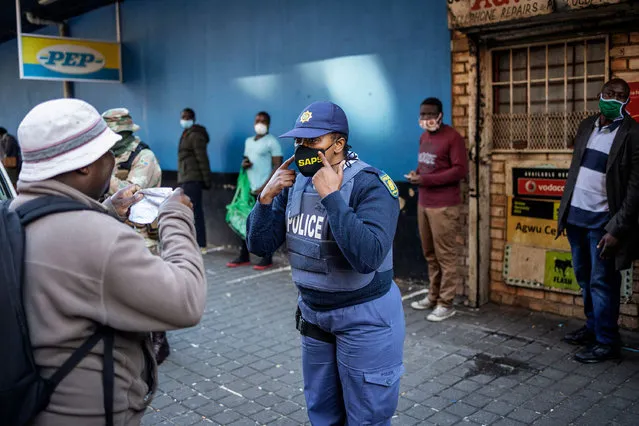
{"points": [[525, 74]]}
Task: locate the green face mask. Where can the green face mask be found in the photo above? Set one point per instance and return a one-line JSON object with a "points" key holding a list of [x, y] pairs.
{"points": [[611, 108]]}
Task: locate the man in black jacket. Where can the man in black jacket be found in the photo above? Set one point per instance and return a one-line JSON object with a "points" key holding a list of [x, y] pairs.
{"points": [[194, 173], [599, 211]]}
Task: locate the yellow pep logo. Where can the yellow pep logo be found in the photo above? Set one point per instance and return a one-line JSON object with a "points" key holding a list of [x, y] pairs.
{"points": [[308, 161]]}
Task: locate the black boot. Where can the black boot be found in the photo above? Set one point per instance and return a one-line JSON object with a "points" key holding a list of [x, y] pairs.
{"points": [[581, 337], [598, 352]]}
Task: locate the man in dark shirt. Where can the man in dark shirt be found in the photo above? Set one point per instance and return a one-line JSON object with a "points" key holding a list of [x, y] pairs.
{"points": [[443, 163]]}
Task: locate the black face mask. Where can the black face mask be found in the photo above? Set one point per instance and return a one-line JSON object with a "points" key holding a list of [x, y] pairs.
{"points": [[307, 160]]}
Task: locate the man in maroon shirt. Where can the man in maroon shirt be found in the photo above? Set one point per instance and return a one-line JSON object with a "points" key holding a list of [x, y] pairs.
{"points": [[443, 163]]}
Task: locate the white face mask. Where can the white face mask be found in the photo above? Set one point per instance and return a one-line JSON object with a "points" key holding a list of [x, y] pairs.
{"points": [[261, 129], [186, 124], [432, 124]]}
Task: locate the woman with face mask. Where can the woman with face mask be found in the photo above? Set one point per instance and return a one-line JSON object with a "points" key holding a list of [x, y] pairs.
{"points": [[338, 217]]}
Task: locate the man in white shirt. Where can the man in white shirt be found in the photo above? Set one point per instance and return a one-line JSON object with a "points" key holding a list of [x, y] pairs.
{"points": [[262, 157]]}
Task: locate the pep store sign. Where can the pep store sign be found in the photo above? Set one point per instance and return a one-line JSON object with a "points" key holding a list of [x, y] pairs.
{"points": [[67, 59]]}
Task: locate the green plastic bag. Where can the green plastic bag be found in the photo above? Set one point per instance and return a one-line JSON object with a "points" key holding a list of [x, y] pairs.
{"points": [[237, 212]]}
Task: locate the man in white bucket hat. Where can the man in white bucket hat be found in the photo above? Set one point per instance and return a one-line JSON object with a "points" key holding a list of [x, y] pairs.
{"points": [[84, 270]]}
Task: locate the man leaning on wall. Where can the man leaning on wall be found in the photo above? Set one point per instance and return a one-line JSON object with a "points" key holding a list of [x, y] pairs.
{"points": [[599, 210]]}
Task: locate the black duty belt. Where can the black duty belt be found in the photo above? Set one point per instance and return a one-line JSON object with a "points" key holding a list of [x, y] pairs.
{"points": [[311, 330]]}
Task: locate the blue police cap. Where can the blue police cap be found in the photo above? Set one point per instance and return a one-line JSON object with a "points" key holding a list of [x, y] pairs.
{"points": [[318, 119]]}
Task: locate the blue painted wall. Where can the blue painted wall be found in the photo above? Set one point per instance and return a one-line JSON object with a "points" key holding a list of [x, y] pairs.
{"points": [[227, 60]]}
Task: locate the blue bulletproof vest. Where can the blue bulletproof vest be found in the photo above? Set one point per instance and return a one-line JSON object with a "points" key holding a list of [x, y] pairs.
{"points": [[316, 260]]}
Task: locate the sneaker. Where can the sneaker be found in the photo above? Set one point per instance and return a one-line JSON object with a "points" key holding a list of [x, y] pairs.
{"points": [[263, 264], [441, 313], [238, 262], [423, 304]]}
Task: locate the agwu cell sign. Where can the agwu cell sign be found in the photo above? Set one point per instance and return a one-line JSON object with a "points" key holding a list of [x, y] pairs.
{"points": [[68, 59]]}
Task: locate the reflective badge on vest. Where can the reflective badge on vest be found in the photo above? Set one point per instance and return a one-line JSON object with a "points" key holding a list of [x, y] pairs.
{"points": [[389, 184], [311, 222]]}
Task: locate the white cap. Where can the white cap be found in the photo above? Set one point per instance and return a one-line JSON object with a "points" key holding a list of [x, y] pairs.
{"points": [[60, 136]]}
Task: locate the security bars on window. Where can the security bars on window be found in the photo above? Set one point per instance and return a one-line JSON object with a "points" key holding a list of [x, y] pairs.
{"points": [[541, 92]]}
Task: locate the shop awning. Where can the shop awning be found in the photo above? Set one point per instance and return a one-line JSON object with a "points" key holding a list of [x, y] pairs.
{"points": [[50, 10]]}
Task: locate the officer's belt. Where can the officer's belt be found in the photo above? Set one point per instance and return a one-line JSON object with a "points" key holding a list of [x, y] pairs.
{"points": [[311, 330]]}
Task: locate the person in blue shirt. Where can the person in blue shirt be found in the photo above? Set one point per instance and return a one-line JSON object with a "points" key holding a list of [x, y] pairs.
{"points": [[262, 157], [338, 217]]}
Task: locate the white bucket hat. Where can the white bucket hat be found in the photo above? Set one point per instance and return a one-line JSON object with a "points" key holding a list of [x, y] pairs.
{"points": [[60, 136]]}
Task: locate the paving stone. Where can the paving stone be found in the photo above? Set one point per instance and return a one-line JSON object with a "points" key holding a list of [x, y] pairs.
{"points": [[524, 415], [248, 408], [226, 417], [195, 402], [483, 417], [477, 400], [499, 407], [286, 408], [210, 409], [266, 416], [405, 420], [437, 402], [453, 394], [187, 419], [443, 418], [461, 409], [420, 412], [161, 401]]}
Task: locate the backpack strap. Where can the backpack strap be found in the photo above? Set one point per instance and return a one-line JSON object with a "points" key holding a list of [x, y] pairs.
{"points": [[46, 205], [129, 162], [108, 372], [28, 213]]}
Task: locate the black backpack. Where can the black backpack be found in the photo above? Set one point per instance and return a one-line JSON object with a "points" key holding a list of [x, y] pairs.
{"points": [[23, 391]]}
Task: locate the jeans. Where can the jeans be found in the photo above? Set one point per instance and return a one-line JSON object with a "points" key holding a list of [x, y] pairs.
{"points": [[194, 191], [600, 283]]}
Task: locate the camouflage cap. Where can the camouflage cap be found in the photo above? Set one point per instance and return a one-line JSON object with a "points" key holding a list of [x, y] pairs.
{"points": [[119, 120]]}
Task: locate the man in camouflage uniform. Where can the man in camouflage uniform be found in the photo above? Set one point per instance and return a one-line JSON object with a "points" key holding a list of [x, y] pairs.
{"points": [[136, 164]]}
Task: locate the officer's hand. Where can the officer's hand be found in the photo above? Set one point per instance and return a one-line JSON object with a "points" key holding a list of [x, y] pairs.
{"points": [[327, 180], [282, 178], [607, 245], [179, 196], [125, 198]]}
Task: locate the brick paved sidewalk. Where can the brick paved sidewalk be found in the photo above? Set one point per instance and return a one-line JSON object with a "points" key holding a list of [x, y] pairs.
{"points": [[497, 366]]}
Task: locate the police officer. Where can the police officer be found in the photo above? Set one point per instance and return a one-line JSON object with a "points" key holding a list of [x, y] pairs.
{"points": [[136, 164], [338, 217]]}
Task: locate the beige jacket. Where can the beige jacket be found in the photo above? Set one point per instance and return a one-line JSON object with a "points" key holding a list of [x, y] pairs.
{"points": [[85, 268]]}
